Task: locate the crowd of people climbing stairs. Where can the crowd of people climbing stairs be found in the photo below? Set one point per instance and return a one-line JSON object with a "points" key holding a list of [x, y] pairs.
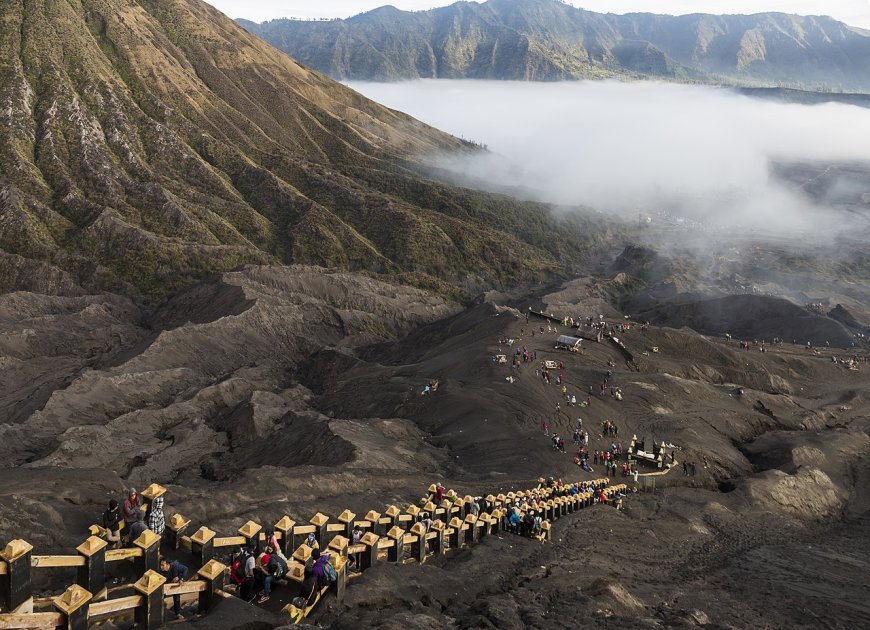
{"points": [[529, 522], [255, 570]]}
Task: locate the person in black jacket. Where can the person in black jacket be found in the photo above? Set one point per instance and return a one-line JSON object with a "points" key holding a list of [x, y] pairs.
{"points": [[307, 592], [112, 523], [137, 528], [174, 572], [275, 568]]}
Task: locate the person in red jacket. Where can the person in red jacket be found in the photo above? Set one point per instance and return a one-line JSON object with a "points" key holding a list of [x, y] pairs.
{"points": [[132, 510]]}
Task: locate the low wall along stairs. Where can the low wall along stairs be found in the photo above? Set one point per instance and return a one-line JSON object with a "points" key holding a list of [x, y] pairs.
{"points": [[396, 536]]}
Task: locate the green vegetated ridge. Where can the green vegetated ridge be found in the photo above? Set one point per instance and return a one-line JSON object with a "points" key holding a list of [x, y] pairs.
{"points": [[144, 145], [548, 40]]}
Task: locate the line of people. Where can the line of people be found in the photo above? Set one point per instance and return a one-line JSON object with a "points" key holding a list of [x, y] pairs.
{"points": [[525, 516], [437, 494], [255, 570]]}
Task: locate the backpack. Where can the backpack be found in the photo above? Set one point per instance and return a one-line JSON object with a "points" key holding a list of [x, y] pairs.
{"points": [[329, 574], [239, 568], [277, 566]]}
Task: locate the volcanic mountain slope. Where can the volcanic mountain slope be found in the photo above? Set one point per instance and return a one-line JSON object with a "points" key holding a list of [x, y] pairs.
{"points": [[290, 390], [203, 388], [146, 144], [550, 40]]}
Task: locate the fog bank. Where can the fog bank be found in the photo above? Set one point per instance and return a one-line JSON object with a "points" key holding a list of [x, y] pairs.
{"points": [[694, 151]]}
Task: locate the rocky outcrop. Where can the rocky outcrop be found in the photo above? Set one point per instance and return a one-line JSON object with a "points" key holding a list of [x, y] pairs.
{"points": [[809, 493], [209, 379]]}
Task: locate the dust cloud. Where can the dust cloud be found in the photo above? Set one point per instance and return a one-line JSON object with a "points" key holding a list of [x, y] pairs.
{"points": [[702, 153]]}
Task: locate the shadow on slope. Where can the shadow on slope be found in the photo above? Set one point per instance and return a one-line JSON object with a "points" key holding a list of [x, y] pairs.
{"points": [[746, 317]]}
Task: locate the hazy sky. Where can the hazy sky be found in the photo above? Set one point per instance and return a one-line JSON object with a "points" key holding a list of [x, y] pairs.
{"points": [[856, 12]]}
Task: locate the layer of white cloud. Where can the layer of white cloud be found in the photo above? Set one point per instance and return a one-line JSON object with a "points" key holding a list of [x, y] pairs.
{"points": [[856, 12], [699, 152]]}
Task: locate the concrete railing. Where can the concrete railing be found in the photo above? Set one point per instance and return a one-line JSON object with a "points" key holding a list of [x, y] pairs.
{"points": [[396, 535]]}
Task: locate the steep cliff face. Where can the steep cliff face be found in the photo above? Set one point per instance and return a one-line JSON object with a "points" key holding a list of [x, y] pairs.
{"points": [[546, 40], [145, 145]]}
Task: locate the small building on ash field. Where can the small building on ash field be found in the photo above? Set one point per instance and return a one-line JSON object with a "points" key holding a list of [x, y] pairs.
{"points": [[564, 342]]}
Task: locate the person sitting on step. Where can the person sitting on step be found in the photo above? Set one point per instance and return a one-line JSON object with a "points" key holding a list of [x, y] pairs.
{"points": [[137, 528], [112, 523], [132, 511], [273, 568]]}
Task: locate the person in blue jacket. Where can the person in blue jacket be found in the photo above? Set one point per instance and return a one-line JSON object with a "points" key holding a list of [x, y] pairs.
{"points": [[174, 572]]}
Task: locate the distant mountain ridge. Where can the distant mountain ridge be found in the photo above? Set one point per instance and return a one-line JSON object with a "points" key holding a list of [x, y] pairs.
{"points": [[547, 40]]}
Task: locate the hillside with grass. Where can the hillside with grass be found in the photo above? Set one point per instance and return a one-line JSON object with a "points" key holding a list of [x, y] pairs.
{"points": [[145, 145]]}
